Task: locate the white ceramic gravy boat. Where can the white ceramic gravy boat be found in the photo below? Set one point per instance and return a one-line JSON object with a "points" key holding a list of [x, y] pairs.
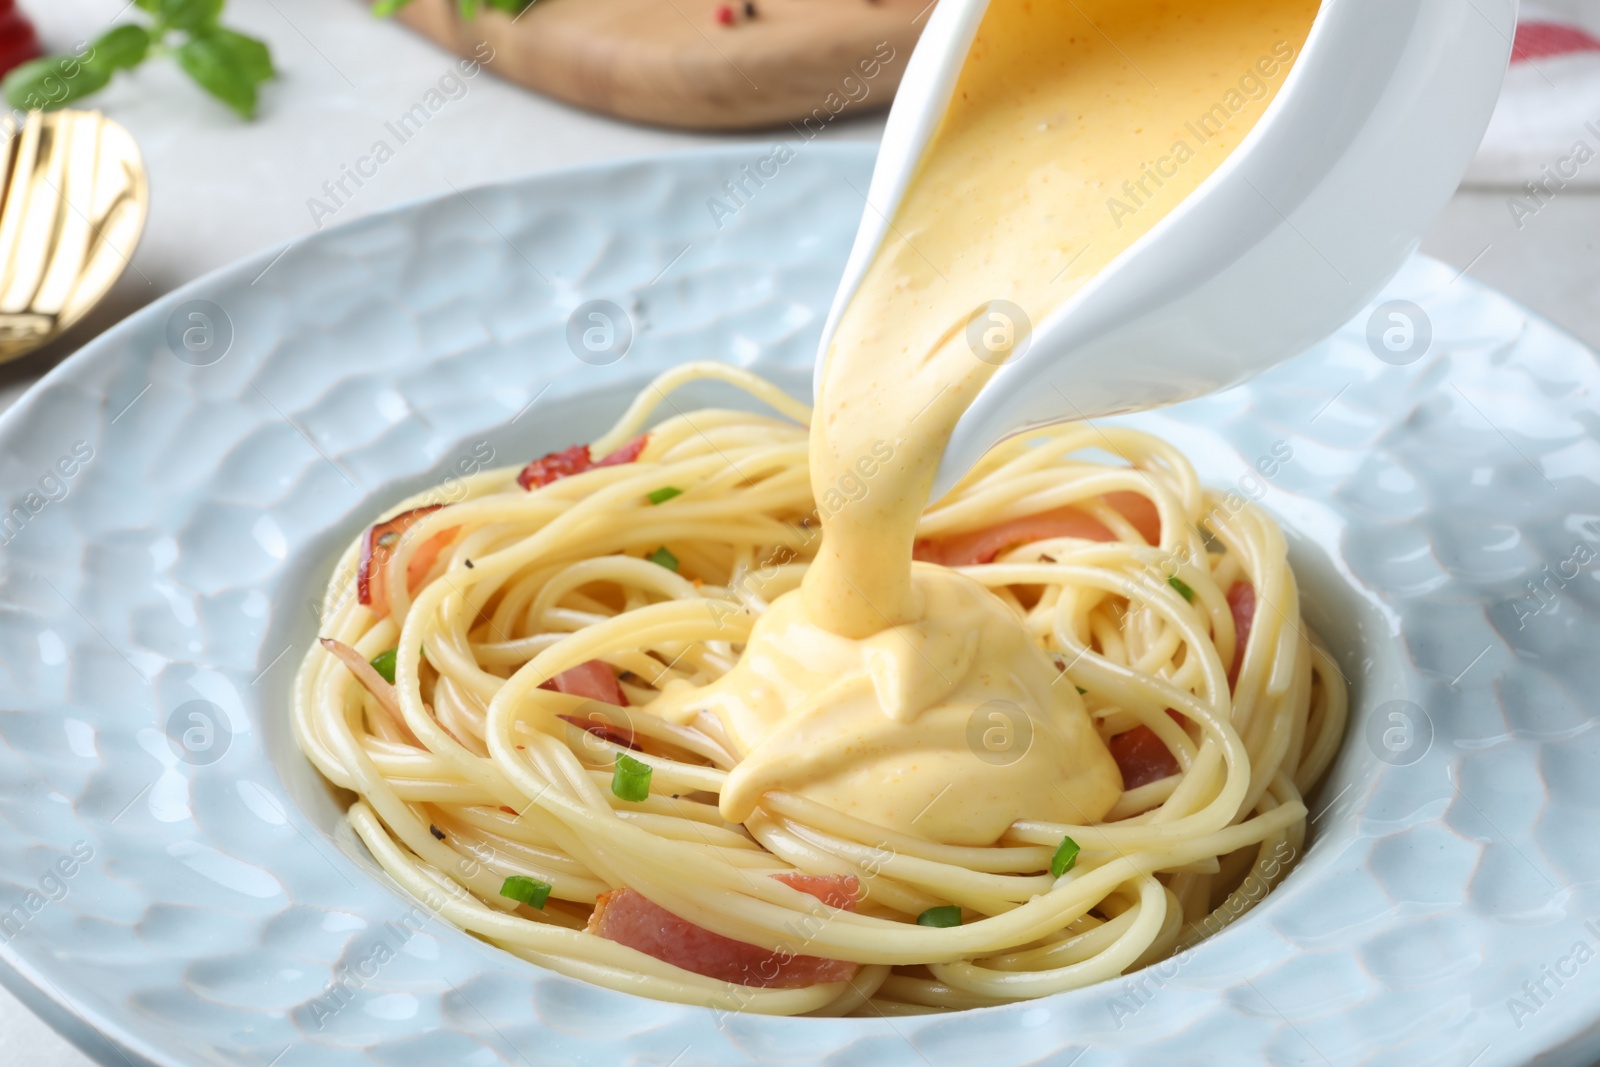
{"points": [[1294, 234]]}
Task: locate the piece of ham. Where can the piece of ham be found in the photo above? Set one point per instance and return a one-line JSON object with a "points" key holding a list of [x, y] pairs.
{"points": [[366, 674], [1142, 757], [593, 680], [629, 918], [1140, 754], [1242, 601], [575, 460], [372, 682], [982, 546], [626, 454], [834, 890], [380, 545]]}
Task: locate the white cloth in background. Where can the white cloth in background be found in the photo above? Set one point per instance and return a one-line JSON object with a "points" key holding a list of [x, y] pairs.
{"points": [[1546, 127]]}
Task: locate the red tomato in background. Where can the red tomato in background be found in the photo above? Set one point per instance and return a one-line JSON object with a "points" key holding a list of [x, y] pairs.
{"points": [[18, 42]]}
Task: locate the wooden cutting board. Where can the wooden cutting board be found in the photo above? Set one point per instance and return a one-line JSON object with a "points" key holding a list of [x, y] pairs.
{"points": [[674, 63]]}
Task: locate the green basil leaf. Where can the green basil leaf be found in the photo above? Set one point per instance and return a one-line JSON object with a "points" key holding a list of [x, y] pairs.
{"points": [[248, 54], [121, 48], [384, 8], [53, 81], [152, 6], [214, 68], [190, 15]]}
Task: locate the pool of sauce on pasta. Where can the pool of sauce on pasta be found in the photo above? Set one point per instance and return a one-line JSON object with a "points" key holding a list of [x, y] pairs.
{"points": [[1073, 129]]}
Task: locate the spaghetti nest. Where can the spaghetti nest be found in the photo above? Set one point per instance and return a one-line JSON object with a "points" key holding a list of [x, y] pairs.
{"points": [[510, 806]]}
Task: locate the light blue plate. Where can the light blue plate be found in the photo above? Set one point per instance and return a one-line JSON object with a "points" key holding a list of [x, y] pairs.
{"points": [[180, 889]]}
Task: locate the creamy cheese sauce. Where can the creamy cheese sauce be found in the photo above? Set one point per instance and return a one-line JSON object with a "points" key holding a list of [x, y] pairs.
{"points": [[1074, 128]]}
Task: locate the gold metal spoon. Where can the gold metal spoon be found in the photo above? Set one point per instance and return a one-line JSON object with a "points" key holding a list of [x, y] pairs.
{"points": [[72, 208]]}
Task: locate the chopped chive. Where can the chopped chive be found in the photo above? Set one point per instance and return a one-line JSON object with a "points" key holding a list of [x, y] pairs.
{"points": [[664, 494], [435, 831], [664, 558], [944, 915], [383, 663], [1066, 855], [1182, 587], [526, 890], [630, 779]]}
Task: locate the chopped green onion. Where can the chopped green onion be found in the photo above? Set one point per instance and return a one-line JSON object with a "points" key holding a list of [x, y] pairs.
{"points": [[1182, 587], [630, 779], [383, 663], [664, 558], [1081, 690], [664, 494], [526, 890], [944, 915], [1066, 855]]}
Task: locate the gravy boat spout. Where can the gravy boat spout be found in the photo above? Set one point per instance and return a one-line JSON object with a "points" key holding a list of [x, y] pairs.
{"points": [[1296, 232]]}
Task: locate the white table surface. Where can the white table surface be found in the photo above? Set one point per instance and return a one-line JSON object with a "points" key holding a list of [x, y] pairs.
{"points": [[221, 189]]}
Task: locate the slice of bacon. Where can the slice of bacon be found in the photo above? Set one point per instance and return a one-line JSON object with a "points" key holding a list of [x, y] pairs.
{"points": [[1242, 601], [593, 680], [556, 465], [380, 545], [626, 454], [372, 682], [1140, 754], [629, 918], [366, 674], [982, 546], [575, 460], [834, 890], [1139, 510], [1142, 757]]}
